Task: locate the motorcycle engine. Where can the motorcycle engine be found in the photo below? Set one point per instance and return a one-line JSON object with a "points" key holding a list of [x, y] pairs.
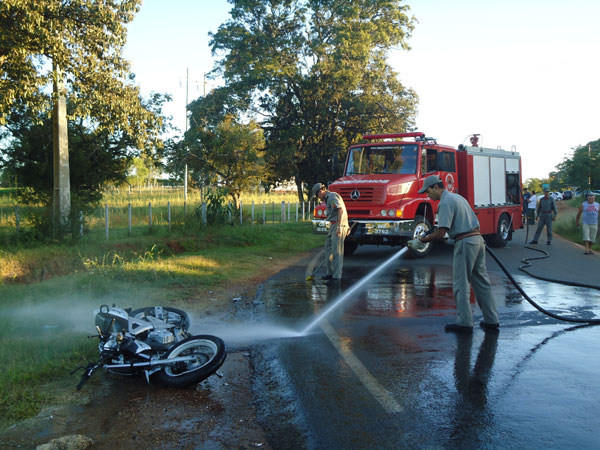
{"points": [[162, 337]]}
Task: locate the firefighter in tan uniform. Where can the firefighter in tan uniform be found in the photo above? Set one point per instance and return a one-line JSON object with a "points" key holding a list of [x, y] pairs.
{"points": [[338, 230], [469, 269]]}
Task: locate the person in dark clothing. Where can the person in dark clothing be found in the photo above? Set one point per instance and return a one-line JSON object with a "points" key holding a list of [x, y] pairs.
{"points": [[545, 213]]}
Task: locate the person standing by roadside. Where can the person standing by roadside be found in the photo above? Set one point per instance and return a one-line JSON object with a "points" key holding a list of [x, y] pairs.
{"points": [[456, 218], [531, 205], [526, 196], [546, 213], [589, 210], [338, 230]]}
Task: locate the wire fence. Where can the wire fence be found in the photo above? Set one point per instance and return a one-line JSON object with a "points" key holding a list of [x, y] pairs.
{"points": [[133, 218]]}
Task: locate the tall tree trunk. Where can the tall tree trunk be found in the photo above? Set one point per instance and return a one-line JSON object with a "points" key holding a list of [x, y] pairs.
{"points": [[299, 188], [62, 185]]}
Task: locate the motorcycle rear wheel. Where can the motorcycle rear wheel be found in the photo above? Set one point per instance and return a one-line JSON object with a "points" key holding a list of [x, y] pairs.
{"points": [[209, 352], [173, 315]]}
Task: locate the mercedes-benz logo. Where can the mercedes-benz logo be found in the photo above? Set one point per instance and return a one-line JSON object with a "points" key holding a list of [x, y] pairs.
{"points": [[355, 194]]}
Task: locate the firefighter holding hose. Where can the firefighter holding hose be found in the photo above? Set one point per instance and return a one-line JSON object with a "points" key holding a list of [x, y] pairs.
{"points": [[338, 230], [456, 218]]}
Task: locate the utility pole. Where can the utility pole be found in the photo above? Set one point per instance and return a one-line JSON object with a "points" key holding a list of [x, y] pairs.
{"points": [[60, 141], [185, 172], [589, 165]]}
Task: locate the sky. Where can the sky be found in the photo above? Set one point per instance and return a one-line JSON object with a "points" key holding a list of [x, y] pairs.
{"points": [[524, 74]]}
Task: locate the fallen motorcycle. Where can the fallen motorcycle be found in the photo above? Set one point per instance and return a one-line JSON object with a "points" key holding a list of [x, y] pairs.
{"points": [[154, 341]]}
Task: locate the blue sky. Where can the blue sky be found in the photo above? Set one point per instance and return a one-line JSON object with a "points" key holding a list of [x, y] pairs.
{"points": [[522, 73]]}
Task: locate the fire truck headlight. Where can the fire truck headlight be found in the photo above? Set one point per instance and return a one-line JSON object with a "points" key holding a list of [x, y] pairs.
{"points": [[391, 213], [383, 212]]}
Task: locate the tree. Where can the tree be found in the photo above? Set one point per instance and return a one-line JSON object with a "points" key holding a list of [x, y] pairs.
{"points": [[144, 170], [583, 168], [97, 157], [229, 154], [316, 72], [78, 43]]}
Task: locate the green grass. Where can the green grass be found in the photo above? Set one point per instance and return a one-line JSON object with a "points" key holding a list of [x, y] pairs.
{"points": [[46, 314], [267, 208]]}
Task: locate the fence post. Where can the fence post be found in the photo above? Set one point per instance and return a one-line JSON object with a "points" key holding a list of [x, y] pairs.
{"points": [[252, 211], [204, 220], [303, 211], [80, 223], [264, 213], [288, 214], [129, 217], [230, 207], [169, 214], [150, 214], [241, 219], [273, 215], [282, 212], [17, 218], [106, 219], [297, 206]]}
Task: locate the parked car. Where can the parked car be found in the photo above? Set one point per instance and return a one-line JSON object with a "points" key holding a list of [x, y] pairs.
{"points": [[567, 195], [556, 196]]}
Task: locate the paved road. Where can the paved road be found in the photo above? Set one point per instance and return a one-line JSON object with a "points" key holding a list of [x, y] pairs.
{"points": [[380, 372]]}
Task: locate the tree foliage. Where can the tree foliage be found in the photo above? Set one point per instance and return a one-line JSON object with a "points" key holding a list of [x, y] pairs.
{"points": [[85, 39], [229, 154], [583, 168], [316, 73], [97, 157]]}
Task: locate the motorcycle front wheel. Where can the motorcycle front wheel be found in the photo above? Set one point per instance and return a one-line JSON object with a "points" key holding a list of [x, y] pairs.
{"points": [[208, 352]]}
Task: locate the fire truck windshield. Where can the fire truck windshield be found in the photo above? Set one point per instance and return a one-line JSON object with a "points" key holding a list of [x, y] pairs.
{"points": [[384, 159]]}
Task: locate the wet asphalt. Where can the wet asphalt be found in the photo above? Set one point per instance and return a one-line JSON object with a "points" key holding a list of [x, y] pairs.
{"points": [[380, 372]]}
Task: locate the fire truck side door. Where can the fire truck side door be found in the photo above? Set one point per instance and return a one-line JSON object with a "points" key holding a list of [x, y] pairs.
{"points": [[442, 162]]}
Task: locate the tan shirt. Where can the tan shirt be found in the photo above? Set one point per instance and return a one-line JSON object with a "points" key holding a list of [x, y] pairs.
{"points": [[336, 209]]}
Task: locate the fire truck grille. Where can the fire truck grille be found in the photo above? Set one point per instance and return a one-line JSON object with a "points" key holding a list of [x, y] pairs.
{"points": [[363, 194]]}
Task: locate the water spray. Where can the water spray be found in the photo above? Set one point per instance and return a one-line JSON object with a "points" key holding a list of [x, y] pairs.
{"points": [[351, 291]]}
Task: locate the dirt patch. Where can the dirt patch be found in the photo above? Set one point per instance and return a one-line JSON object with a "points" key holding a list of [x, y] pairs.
{"points": [[175, 247]]}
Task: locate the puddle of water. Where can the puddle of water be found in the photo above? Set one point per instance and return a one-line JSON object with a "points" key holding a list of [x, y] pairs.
{"points": [[241, 333]]}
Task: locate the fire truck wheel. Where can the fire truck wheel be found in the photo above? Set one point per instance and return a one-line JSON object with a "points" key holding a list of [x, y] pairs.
{"points": [[420, 227], [500, 238], [350, 247]]}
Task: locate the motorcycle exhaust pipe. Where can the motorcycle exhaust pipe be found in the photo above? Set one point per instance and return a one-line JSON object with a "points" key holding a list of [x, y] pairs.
{"points": [[161, 362]]}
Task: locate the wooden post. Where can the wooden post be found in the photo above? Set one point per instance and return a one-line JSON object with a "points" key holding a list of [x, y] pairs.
{"points": [[129, 217], [150, 214], [80, 223], [169, 214], [106, 219]]}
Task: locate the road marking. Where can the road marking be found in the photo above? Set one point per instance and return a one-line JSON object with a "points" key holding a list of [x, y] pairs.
{"points": [[382, 395]]}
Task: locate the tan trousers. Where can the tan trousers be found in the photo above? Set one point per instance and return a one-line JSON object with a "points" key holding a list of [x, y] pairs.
{"points": [[334, 251], [470, 271]]}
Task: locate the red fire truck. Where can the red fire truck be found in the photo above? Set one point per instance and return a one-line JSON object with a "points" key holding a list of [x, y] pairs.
{"points": [[383, 174]]}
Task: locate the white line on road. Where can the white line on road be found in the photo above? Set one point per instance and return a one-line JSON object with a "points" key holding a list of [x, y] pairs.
{"points": [[382, 395]]}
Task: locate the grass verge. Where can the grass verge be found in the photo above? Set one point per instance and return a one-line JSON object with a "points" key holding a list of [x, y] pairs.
{"points": [[46, 311]]}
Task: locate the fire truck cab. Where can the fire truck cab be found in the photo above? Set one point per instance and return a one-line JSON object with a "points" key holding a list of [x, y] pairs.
{"points": [[382, 177]]}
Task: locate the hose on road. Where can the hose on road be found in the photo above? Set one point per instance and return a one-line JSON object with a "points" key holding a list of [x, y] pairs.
{"points": [[526, 297]]}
